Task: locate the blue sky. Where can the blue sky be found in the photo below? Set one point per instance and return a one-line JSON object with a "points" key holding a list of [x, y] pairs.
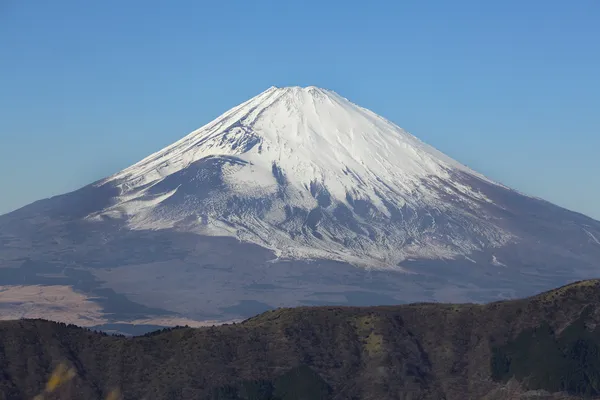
{"points": [[510, 88]]}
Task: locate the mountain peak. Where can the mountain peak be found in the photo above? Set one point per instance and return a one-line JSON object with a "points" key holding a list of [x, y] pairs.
{"points": [[299, 93], [296, 148], [314, 131], [297, 88], [294, 96]]}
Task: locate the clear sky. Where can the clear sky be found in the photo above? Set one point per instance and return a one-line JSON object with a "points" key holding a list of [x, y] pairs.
{"points": [[510, 88]]}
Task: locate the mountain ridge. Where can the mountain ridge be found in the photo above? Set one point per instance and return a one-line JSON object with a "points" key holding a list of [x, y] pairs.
{"points": [[417, 351]]}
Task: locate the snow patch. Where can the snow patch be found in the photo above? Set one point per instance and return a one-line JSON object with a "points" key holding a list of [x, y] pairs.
{"points": [[496, 262], [591, 235]]}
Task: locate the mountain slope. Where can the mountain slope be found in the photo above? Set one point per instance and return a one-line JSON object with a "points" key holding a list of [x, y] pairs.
{"points": [[418, 351], [295, 197], [306, 173]]}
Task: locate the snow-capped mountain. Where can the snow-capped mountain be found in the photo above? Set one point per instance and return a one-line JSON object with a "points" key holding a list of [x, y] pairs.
{"points": [[297, 196], [308, 174]]}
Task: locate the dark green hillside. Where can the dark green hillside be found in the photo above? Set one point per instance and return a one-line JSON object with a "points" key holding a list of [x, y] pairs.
{"points": [[545, 347]]}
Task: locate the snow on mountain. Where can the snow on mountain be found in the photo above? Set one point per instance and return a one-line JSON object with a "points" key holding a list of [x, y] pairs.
{"points": [[275, 204], [308, 174]]}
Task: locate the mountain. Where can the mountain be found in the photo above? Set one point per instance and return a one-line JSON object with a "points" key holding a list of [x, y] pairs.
{"points": [[307, 174], [544, 347], [295, 197]]}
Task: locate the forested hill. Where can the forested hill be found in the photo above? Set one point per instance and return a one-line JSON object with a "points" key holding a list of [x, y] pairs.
{"points": [[544, 347]]}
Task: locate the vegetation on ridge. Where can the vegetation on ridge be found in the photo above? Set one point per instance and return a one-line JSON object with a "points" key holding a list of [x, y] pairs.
{"points": [[502, 350]]}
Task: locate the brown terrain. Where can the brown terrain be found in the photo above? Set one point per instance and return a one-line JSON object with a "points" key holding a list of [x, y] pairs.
{"points": [[543, 347]]}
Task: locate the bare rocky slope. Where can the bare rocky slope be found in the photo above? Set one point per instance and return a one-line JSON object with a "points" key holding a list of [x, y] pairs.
{"points": [[543, 347]]}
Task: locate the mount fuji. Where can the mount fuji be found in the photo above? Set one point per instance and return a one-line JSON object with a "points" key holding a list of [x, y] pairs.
{"points": [[297, 196]]}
